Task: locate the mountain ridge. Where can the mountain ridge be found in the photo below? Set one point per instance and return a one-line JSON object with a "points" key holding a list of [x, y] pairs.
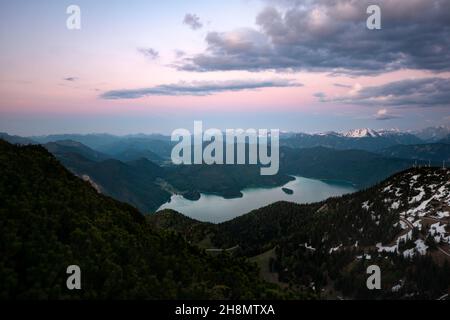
{"points": [[401, 224], [50, 219]]}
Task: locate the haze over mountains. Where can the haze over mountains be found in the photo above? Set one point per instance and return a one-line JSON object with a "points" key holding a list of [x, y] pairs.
{"points": [[362, 139], [137, 168], [105, 142]]}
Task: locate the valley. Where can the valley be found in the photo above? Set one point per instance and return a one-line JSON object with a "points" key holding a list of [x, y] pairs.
{"points": [[137, 168], [319, 249]]}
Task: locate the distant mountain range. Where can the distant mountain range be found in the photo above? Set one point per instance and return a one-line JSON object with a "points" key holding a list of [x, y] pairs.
{"points": [[366, 139], [137, 169], [433, 134], [361, 139], [160, 145], [127, 148], [16, 139]]}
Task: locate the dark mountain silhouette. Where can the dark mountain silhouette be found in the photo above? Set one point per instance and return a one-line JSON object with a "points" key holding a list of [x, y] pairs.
{"points": [[446, 140], [136, 154], [50, 219], [63, 147], [362, 168], [16, 139], [434, 152], [93, 141], [134, 182]]}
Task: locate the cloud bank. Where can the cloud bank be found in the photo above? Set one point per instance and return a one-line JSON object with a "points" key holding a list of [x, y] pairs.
{"points": [[331, 36], [198, 88], [424, 92]]}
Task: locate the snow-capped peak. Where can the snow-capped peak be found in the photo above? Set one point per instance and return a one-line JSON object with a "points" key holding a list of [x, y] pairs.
{"points": [[361, 133]]}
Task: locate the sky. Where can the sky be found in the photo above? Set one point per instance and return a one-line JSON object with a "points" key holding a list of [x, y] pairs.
{"points": [[140, 66]]}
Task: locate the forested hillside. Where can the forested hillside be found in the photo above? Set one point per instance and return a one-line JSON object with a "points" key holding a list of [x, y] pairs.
{"points": [[50, 219], [401, 225]]}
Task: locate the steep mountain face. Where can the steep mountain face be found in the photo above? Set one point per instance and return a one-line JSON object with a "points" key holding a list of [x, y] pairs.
{"points": [[135, 182], [50, 219], [361, 133], [434, 152]]}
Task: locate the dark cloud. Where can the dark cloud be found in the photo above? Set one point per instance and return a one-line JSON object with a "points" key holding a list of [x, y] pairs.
{"points": [[150, 53], [198, 88], [193, 21], [71, 79], [331, 36], [424, 92]]}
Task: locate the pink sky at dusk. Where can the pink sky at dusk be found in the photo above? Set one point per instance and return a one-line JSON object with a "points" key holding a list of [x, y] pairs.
{"points": [[52, 71]]}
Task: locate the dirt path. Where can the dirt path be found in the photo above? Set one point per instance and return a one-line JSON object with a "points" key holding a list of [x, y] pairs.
{"points": [[222, 250], [411, 226]]}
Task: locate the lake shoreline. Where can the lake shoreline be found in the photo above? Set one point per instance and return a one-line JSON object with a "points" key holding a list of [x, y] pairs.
{"points": [[216, 209]]}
